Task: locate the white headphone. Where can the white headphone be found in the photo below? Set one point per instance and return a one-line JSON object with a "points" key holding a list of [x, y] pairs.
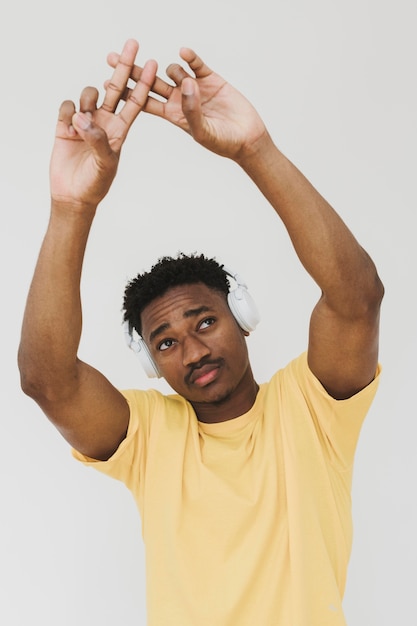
{"points": [[240, 302]]}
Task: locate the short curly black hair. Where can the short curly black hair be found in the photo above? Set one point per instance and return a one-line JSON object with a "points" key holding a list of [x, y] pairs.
{"points": [[166, 273]]}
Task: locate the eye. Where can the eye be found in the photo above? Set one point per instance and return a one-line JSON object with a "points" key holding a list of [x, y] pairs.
{"points": [[164, 345], [206, 323]]}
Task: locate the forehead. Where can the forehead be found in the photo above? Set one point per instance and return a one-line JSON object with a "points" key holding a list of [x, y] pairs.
{"points": [[180, 303]]}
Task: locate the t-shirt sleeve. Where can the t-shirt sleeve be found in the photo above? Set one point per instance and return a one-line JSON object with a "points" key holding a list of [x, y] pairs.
{"points": [[128, 463], [338, 422]]}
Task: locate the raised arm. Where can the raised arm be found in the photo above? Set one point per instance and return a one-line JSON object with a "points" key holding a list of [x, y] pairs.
{"points": [[343, 339], [89, 412]]}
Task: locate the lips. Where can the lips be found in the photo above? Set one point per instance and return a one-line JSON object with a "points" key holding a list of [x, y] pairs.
{"points": [[204, 375]]}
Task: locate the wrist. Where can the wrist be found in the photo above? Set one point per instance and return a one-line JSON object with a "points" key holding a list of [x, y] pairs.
{"points": [[71, 221], [258, 153], [73, 209]]}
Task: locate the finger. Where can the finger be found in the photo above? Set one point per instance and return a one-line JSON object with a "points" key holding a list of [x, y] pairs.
{"points": [[200, 69], [66, 111], [176, 73], [152, 105], [159, 87], [155, 107], [139, 95], [123, 96], [88, 99], [64, 123], [117, 83], [191, 106]]}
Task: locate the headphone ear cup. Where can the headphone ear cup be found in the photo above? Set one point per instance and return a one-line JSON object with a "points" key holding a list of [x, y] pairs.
{"points": [[243, 308], [141, 350]]}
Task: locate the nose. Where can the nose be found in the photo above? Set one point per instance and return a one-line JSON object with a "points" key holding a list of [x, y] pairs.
{"points": [[194, 350]]}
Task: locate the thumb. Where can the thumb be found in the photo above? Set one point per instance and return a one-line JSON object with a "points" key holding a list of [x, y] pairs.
{"points": [[92, 134], [191, 106]]}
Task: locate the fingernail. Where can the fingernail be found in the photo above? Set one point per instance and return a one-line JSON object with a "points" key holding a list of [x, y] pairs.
{"points": [[82, 120], [187, 87]]}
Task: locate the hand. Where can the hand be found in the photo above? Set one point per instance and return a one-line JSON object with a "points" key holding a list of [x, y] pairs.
{"points": [[87, 145], [203, 104]]}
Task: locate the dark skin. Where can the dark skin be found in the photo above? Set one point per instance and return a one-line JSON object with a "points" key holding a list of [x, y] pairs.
{"points": [[343, 337], [201, 351], [344, 326]]}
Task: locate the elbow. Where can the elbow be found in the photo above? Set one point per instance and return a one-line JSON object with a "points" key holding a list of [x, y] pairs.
{"points": [[31, 382], [367, 303], [51, 384], [38, 380], [359, 298], [27, 383], [31, 387], [364, 287], [376, 292]]}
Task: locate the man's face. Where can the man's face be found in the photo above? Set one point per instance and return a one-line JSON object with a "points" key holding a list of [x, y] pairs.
{"points": [[196, 343]]}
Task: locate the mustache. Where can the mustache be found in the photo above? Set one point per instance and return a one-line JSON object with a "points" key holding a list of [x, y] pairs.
{"points": [[196, 366]]}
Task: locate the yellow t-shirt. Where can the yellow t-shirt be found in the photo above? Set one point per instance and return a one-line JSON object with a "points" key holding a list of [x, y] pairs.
{"points": [[245, 522]]}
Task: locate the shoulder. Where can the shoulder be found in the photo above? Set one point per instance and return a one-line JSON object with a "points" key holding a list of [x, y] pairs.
{"points": [[149, 405], [297, 379], [308, 413]]}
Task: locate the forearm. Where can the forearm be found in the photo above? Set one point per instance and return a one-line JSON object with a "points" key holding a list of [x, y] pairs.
{"points": [[325, 246], [52, 321]]}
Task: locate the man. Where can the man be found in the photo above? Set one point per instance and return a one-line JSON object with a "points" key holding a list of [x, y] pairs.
{"points": [[243, 489]]}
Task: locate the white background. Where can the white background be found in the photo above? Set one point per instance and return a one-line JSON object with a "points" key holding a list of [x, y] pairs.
{"points": [[336, 85]]}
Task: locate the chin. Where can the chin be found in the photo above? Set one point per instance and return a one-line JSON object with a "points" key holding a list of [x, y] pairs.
{"points": [[213, 396]]}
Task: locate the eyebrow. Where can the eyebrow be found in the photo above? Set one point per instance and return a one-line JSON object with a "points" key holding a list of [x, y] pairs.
{"points": [[189, 313]]}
